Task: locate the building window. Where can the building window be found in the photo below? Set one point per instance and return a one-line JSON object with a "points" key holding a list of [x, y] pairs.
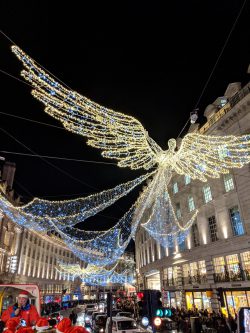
{"points": [[187, 180], [175, 188], [228, 182], [195, 233], [219, 265], [202, 267], [232, 264], [212, 228], [245, 258], [236, 221], [178, 210], [207, 193], [191, 204]]}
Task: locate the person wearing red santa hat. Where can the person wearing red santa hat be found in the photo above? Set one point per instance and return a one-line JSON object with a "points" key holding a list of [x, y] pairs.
{"points": [[11, 325], [64, 324], [42, 324], [22, 310], [76, 329]]}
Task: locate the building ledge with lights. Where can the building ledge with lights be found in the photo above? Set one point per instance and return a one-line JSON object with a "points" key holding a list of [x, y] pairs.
{"points": [[216, 252]]}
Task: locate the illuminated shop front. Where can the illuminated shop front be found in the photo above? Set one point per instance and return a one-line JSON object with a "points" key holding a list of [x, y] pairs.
{"points": [[200, 300], [171, 298], [236, 299]]}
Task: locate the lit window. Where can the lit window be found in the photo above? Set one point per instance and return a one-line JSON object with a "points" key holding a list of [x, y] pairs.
{"points": [[175, 188], [178, 210], [202, 267], [228, 182], [187, 179], [219, 265], [207, 193], [212, 228], [191, 204], [245, 258], [236, 221]]}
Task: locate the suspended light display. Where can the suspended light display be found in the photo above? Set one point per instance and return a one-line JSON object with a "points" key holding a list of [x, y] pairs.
{"points": [[94, 275], [162, 223], [43, 215], [123, 138]]}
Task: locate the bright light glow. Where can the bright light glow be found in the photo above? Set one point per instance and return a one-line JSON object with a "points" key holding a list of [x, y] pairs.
{"points": [[123, 138], [204, 237], [145, 321], [157, 321], [225, 232], [177, 256]]}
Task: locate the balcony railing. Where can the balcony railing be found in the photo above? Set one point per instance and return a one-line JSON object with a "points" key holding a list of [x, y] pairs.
{"points": [[235, 99]]}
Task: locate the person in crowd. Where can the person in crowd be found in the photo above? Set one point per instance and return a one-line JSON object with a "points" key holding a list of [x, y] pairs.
{"points": [[22, 310], [73, 317]]}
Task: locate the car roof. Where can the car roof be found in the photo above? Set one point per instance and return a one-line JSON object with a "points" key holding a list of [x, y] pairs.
{"points": [[122, 319]]}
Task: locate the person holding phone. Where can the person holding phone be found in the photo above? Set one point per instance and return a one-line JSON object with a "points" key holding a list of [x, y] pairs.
{"points": [[26, 312]]}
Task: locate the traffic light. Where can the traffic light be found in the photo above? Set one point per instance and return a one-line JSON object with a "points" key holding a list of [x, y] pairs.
{"points": [[155, 301], [220, 296], [150, 303]]}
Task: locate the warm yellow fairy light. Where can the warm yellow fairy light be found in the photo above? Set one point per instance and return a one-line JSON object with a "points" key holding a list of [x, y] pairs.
{"points": [[123, 137], [75, 269], [119, 136]]}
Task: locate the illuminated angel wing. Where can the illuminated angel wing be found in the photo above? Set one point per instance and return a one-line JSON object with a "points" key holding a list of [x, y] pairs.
{"points": [[201, 156], [120, 136]]}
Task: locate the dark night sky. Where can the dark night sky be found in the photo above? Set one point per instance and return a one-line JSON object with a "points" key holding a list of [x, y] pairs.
{"points": [[139, 58]]}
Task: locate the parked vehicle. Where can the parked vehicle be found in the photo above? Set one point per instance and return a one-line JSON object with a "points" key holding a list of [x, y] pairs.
{"points": [[88, 318], [91, 306], [94, 315], [123, 325], [124, 314], [99, 323]]}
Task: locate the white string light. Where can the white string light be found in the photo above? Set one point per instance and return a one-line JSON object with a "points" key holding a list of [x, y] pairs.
{"points": [[123, 138]]}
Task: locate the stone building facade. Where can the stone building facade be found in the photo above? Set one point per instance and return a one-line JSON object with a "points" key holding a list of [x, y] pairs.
{"points": [[27, 256], [216, 253]]}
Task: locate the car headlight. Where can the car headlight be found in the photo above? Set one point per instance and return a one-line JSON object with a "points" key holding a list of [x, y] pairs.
{"points": [[101, 330], [145, 321]]}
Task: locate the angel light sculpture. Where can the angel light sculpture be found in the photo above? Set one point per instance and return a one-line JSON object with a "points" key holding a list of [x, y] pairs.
{"points": [[123, 138]]}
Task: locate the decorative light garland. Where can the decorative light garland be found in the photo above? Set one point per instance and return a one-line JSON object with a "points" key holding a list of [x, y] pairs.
{"points": [[162, 223], [42, 215], [107, 247], [123, 138], [94, 275], [106, 129]]}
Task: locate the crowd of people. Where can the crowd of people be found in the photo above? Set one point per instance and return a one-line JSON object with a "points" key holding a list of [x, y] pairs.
{"points": [[204, 321], [25, 314]]}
